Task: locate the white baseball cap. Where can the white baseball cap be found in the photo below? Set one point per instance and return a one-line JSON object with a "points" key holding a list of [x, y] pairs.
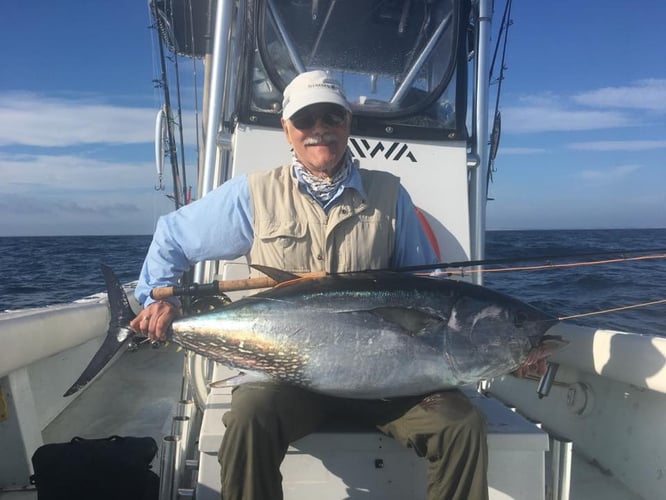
{"points": [[312, 87]]}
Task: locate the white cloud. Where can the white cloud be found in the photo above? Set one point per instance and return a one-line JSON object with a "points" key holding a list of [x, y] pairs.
{"points": [[598, 109], [28, 173], [29, 119], [609, 174], [547, 112], [618, 145], [81, 213], [73, 190], [555, 118], [37, 120], [71, 195], [520, 151], [28, 204], [647, 95]]}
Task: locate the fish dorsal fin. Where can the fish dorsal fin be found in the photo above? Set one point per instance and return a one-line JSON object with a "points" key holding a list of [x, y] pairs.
{"points": [[413, 321], [285, 277], [276, 274]]}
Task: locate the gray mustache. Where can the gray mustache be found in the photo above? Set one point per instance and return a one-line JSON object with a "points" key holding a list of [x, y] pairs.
{"points": [[320, 139]]}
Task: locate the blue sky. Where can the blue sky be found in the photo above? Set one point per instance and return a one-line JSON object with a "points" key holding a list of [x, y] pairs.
{"points": [[583, 134]]}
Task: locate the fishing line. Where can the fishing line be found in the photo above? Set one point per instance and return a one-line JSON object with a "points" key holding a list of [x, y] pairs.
{"points": [[511, 260], [553, 266], [613, 309]]}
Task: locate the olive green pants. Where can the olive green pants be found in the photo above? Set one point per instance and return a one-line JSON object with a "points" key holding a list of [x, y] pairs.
{"points": [[264, 419]]}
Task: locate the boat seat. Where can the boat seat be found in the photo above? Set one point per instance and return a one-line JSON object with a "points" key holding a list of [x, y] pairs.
{"points": [[353, 462]]}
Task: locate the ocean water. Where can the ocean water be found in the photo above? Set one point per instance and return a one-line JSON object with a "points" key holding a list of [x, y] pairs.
{"points": [[38, 271], [44, 270], [582, 289]]}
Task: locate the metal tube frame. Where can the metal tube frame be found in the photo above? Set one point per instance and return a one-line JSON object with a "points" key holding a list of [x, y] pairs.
{"points": [[480, 147], [291, 50], [223, 19], [406, 84]]}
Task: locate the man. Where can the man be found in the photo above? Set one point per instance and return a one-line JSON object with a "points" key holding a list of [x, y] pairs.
{"points": [[321, 213]]}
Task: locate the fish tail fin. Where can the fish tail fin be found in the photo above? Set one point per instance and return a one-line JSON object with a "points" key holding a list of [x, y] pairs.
{"points": [[118, 333], [121, 311]]}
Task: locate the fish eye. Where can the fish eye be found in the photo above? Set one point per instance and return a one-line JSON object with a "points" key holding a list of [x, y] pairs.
{"points": [[519, 318]]}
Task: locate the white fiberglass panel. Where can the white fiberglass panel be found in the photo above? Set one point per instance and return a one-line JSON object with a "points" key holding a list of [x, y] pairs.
{"points": [[435, 176]]}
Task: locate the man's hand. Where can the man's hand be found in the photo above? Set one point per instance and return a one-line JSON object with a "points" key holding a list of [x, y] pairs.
{"points": [[534, 368], [154, 321]]}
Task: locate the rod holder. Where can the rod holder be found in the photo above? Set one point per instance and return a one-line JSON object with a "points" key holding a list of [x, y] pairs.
{"points": [[547, 379], [185, 408], [189, 435], [167, 462], [180, 428]]}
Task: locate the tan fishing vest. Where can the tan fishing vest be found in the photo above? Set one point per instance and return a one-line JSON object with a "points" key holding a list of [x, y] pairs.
{"points": [[292, 232]]}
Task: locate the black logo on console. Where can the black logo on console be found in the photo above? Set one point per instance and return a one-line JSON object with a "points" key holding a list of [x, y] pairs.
{"points": [[363, 148]]}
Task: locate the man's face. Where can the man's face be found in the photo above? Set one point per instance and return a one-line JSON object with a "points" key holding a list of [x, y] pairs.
{"points": [[318, 134]]}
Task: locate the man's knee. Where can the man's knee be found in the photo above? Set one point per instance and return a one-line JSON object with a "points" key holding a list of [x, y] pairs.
{"points": [[469, 421], [251, 405], [285, 412], [455, 419], [473, 421]]}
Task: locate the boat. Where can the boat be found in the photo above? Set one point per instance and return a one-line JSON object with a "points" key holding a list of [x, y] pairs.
{"points": [[419, 75]]}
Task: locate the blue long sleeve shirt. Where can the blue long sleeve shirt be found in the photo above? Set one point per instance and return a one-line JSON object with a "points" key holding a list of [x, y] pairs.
{"points": [[219, 226]]}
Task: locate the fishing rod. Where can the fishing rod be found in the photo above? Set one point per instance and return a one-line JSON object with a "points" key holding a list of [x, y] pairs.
{"points": [[216, 286], [163, 82], [512, 260], [497, 120], [550, 265]]}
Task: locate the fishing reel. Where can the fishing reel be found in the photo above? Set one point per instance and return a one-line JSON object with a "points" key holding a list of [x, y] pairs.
{"points": [[208, 303]]}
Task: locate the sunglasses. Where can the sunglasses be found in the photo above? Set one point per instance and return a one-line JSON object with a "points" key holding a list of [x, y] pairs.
{"points": [[331, 115]]}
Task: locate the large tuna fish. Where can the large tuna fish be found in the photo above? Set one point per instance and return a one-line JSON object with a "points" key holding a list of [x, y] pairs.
{"points": [[367, 335]]}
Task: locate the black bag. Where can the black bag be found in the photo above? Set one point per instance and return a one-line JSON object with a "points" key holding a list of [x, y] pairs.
{"points": [[113, 468]]}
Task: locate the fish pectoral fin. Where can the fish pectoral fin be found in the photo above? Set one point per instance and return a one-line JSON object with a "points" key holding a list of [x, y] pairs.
{"points": [[413, 321], [241, 378]]}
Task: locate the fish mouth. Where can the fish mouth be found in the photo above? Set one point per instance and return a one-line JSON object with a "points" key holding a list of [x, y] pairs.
{"points": [[542, 326]]}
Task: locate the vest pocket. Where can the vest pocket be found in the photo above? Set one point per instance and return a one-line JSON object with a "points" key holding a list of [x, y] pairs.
{"points": [[284, 244]]}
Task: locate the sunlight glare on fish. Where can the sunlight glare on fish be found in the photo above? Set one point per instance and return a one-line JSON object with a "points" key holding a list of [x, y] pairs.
{"points": [[487, 312]]}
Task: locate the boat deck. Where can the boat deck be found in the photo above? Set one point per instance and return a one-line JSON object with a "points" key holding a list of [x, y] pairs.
{"points": [[138, 396]]}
